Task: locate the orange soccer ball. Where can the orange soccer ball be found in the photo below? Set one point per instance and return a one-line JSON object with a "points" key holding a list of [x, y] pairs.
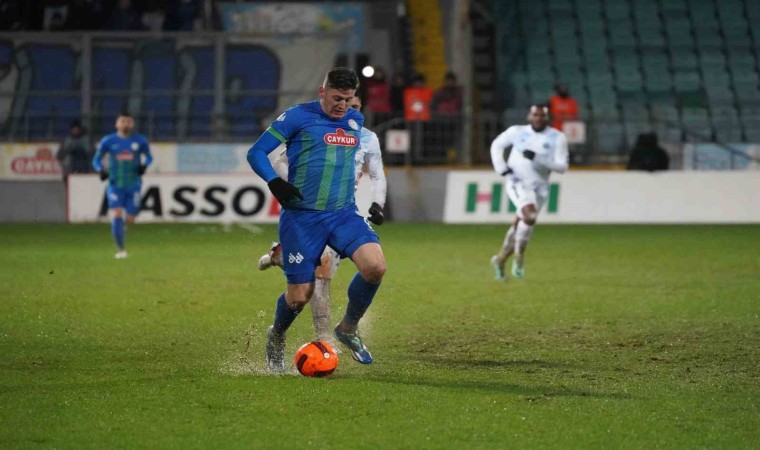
{"points": [[316, 359]]}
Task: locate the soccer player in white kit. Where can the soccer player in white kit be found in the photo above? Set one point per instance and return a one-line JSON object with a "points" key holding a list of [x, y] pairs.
{"points": [[369, 154], [537, 151]]}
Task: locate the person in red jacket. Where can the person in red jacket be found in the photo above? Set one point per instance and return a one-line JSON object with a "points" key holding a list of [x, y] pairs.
{"points": [[378, 101], [562, 106]]}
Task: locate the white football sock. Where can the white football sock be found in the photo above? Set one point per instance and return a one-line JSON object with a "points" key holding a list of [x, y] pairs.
{"points": [[320, 309], [522, 236], [508, 247]]}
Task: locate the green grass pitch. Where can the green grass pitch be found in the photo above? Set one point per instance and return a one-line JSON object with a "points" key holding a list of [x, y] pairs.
{"points": [[618, 337]]}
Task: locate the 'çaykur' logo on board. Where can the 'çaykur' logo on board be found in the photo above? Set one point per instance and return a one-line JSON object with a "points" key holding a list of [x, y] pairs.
{"points": [[341, 138]]}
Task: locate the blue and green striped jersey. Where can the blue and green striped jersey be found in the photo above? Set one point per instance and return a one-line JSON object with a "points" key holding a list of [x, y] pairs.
{"points": [[320, 154], [124, 159]]}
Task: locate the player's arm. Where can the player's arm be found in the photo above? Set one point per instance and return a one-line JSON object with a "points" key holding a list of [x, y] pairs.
{"points": [[376, 171], [502, 142], [259, 161], [560, 160], [377, 178], [280, 163], [97, 163], [145, 150]]}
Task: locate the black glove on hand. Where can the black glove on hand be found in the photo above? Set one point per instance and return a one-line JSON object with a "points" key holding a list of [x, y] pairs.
{"points": [[530, 154], [141, 169], [283, 191], [103, 175], [376, 214]]}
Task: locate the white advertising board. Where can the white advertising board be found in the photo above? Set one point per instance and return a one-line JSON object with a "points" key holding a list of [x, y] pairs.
{"points": [[29, 161], [188, 198], [613, 197]]}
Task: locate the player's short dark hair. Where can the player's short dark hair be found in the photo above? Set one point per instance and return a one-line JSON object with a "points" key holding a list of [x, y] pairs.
{"points": [[125, 114], [341, 78]]}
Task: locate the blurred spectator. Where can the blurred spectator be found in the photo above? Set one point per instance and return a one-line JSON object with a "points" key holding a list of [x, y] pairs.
{"points": [[182, 15], [85, 15], [446, 124], [57, 22], [417, 99], [562, 106], [54, 13], [11, 15], [648, 155], [398, 86], [124, 18], [447, 100], [153, 17], [379, 95], [75, 153]]}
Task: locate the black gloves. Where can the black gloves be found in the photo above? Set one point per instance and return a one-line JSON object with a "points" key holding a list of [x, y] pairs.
{"points": [[530, 154], [103, 175], [283, 191], [376, 214], [141, 169]]}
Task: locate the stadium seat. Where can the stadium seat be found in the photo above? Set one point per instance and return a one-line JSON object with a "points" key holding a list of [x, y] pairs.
{"points": [[727, 130], [632, 131], [610, 138], [752, 129], [686, 81], [683, 60]]}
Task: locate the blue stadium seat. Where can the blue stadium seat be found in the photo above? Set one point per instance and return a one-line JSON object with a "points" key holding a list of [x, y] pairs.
{"points": [[610, 138]]}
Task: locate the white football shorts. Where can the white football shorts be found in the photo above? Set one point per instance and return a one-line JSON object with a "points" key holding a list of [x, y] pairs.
{"points": [[522, 195]]}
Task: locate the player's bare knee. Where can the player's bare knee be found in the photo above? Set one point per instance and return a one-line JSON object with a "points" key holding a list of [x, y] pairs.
{"points": [[374, 272], [529, 216], [299, 295]]}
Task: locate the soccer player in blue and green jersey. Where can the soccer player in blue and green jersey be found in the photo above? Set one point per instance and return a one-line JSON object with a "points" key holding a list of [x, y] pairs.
{"points": [[322, 138], [128, 157]]}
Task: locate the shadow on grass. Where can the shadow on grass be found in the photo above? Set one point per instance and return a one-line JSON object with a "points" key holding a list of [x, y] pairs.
{"points": [[470, 362], [463, 370], [529, 393]]}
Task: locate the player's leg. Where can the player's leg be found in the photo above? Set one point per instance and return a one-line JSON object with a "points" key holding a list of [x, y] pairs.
{"points": [[524, 231], [130, 201], [116, 203], [320, 300], [302, 244], [289, 304], [507, 249], [520, 197], [356, 239]]}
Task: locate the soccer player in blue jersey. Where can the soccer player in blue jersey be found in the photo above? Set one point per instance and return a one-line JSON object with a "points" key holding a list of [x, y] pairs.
{"points": [[369, 154], [128, 157], [321, 138]]}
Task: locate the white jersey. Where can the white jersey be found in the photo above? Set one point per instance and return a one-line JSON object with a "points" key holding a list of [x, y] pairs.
{"points": [[368, 153], [549, 145]]}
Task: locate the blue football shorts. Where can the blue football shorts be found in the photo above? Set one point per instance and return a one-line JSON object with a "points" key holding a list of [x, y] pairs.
{"points": [[129, 199], [305, 233]]}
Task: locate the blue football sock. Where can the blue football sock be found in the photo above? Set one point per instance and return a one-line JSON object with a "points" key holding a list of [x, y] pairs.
{"points": [[284, 315], [360, 295], [117, 230]]}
